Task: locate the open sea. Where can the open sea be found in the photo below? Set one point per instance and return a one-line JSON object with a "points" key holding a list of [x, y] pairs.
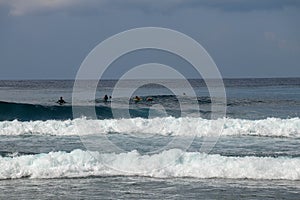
{"points": [[46, 153]]}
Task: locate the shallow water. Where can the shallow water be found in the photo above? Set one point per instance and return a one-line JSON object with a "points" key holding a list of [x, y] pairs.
{"points": [[124, 187]]}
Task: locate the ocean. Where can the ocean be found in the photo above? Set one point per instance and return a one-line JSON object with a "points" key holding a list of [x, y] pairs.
{"points": [[47, 153]]}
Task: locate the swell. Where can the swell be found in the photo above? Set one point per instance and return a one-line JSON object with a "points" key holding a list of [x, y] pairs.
{"points": [[31, 112], [26, 112]]}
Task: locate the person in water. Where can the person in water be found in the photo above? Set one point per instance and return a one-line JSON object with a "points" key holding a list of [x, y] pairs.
{"points": [[137, 99], [149, 99], [105, 98], [61, 101]]}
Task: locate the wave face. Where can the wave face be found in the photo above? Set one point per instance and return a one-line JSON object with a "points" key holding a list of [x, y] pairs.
{"points": [[170, 163], [237, 108], [270, 127], [26, 112], [29, 112]]}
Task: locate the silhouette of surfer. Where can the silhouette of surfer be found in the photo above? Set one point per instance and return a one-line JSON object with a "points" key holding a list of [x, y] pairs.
{"points": [[61, 101], [149, 99], [137, 99], [105, 98]]}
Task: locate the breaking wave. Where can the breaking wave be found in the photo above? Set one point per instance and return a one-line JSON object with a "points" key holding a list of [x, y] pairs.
{"points": [[170, 163], [270, 127]]}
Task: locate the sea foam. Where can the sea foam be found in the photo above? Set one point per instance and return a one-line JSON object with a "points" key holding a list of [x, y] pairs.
{"points": [[273, 127], [170, 163]]}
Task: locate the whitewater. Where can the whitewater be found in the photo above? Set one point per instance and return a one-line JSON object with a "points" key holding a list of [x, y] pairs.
{"points": [[167, 164], [270, 127]]}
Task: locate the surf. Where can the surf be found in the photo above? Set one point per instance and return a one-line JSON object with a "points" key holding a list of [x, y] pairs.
{"points": [[167, 164], [167, 126]]}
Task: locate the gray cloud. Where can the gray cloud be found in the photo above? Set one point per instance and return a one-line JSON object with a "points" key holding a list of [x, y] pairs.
{"points": [[21, 7], [246, 5], [49, 39]]}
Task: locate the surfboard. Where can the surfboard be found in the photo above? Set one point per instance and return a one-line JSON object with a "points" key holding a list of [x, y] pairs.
{"points": [[136, 100]]}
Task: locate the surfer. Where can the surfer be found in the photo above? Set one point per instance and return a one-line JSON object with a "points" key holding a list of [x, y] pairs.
{"points": [[137, 99], [149, 99], [105, 98], [61, 101]]}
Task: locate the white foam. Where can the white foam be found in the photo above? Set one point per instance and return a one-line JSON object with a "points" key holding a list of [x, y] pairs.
{"points": [[166, 164], [164, 126]]}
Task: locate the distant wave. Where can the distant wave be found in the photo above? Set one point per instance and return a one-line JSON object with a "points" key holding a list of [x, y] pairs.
{"points": [[29, 112], [271, 127], [170, 163]]}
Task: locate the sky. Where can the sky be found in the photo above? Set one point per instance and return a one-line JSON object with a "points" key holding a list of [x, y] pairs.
{"points": [[49, 39]]}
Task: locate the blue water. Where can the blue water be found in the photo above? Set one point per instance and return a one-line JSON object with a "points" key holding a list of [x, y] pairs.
{"points": [[256, 157]]}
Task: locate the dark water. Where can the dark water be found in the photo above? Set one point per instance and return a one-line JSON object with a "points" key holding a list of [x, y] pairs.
{"points": [[44, 154], [246, 99]]}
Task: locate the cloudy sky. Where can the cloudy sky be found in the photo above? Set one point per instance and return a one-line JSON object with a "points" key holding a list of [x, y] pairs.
{"points": [[48, 39]]}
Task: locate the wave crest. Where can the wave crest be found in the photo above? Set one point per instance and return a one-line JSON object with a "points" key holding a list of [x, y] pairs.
{"points": [[272, 127], [171, 163]]}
